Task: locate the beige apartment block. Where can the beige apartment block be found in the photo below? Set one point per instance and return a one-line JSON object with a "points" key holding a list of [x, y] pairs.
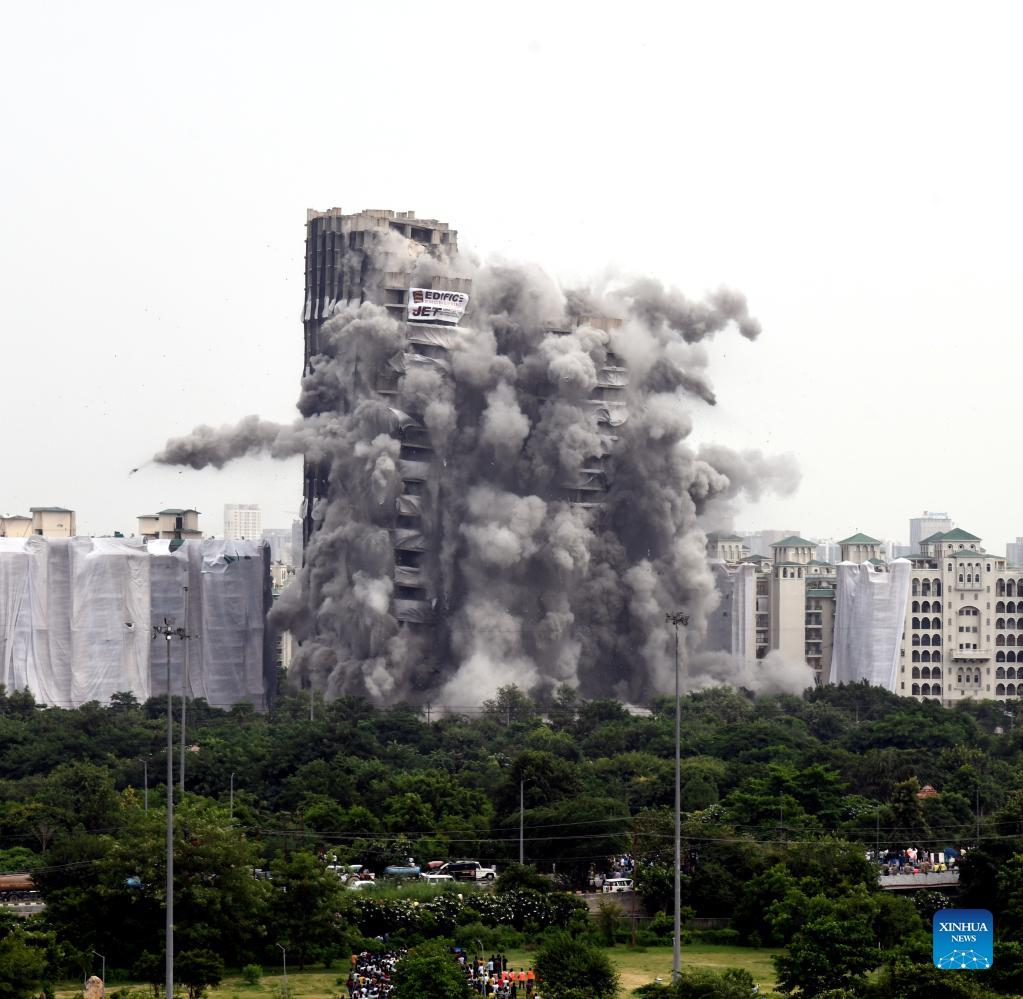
{"points": [[53, 521], [15, 526], [964, 630], [175, 524]]}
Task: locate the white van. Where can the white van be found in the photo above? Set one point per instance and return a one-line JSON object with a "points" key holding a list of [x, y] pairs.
{"points": [[617, 884]]}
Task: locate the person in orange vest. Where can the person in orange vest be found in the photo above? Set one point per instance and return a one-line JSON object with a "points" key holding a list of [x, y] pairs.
{"points": [[530, 981], [522, 979]]}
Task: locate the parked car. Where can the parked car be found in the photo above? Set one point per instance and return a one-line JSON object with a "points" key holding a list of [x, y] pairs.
{"points": [[358, 884], [469, 870], [435, 877], [617, 884]]}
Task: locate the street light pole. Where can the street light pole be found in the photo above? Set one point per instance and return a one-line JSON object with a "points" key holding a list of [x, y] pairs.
{"points": [[184, 699], [145, 783], [676, 958], [232, 794], [167, 633], [284, 959]]}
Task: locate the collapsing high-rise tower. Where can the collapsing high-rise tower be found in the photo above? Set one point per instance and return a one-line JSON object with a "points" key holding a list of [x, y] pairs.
{"points": [[498, 488], [371, 257], [340, 271]]}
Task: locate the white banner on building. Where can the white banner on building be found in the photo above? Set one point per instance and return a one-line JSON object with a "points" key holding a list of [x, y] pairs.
{"points": [[428, 305]]}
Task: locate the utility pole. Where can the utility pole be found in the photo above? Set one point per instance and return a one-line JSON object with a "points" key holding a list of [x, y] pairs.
{"points": [[184, 700], [635, 871], [232, 794], [145, 782], [677, 619], [166, 632]]}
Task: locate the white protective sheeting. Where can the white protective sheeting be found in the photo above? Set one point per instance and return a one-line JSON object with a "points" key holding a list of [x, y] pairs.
{"points": [[730, 626], [870, 615], [109, 619], [233, 579], [76, 619], [20, 641]]}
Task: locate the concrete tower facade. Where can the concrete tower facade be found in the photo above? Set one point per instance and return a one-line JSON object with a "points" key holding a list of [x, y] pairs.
{"points": [[340, 270]]}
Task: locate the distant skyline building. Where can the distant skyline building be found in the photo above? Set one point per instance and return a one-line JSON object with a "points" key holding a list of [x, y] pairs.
{"points": [[828, 550], [242, 522], [280, 540], [926, 525], [760, 542], [1014, 552]]}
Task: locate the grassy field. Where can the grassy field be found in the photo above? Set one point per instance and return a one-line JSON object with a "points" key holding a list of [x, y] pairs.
{"points": [[637, 967]]}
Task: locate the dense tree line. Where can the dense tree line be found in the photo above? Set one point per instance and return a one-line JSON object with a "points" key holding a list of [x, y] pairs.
{"points": [[782, 796]]}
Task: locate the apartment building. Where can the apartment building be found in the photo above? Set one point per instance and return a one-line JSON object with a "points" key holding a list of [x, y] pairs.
{"points": [[959, 621], [242, 522], [963, 634], [44, 521], [179, 525]]}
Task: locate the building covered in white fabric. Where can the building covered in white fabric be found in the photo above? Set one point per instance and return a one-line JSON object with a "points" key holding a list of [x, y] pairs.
{"points": [[77, 618]]}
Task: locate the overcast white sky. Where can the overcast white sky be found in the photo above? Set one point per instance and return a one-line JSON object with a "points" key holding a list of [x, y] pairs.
{"points": [[855, 169]]}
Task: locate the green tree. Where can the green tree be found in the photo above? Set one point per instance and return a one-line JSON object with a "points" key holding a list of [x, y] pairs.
{"points": [[833, 948], [22, 966], [151, 968], [510, 705], [573, 969], [903, 979], [306, 906], [704, 983], [910, 824], [106, 893], [198, 970], [429, 970]]}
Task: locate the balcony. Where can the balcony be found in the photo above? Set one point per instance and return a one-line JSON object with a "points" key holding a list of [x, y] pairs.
{"points": [[967, 655]]}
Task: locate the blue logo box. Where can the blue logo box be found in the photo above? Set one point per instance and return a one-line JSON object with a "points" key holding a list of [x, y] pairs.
{"points": [[963, 939]]}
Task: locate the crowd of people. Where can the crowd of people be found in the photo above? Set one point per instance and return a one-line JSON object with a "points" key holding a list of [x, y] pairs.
{"points": [[623, 866], [372, 974], [495, 977], [914, 861]]}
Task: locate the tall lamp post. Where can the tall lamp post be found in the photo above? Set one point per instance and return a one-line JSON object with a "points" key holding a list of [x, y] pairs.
{"points": [[232, 794], [166, 632], [145, 782], [184, 699], [676, 620], [284, 959]]}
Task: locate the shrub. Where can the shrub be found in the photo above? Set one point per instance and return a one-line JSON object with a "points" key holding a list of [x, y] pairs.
{"points": [[572, 969], [609, 918], [252, 974]]}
